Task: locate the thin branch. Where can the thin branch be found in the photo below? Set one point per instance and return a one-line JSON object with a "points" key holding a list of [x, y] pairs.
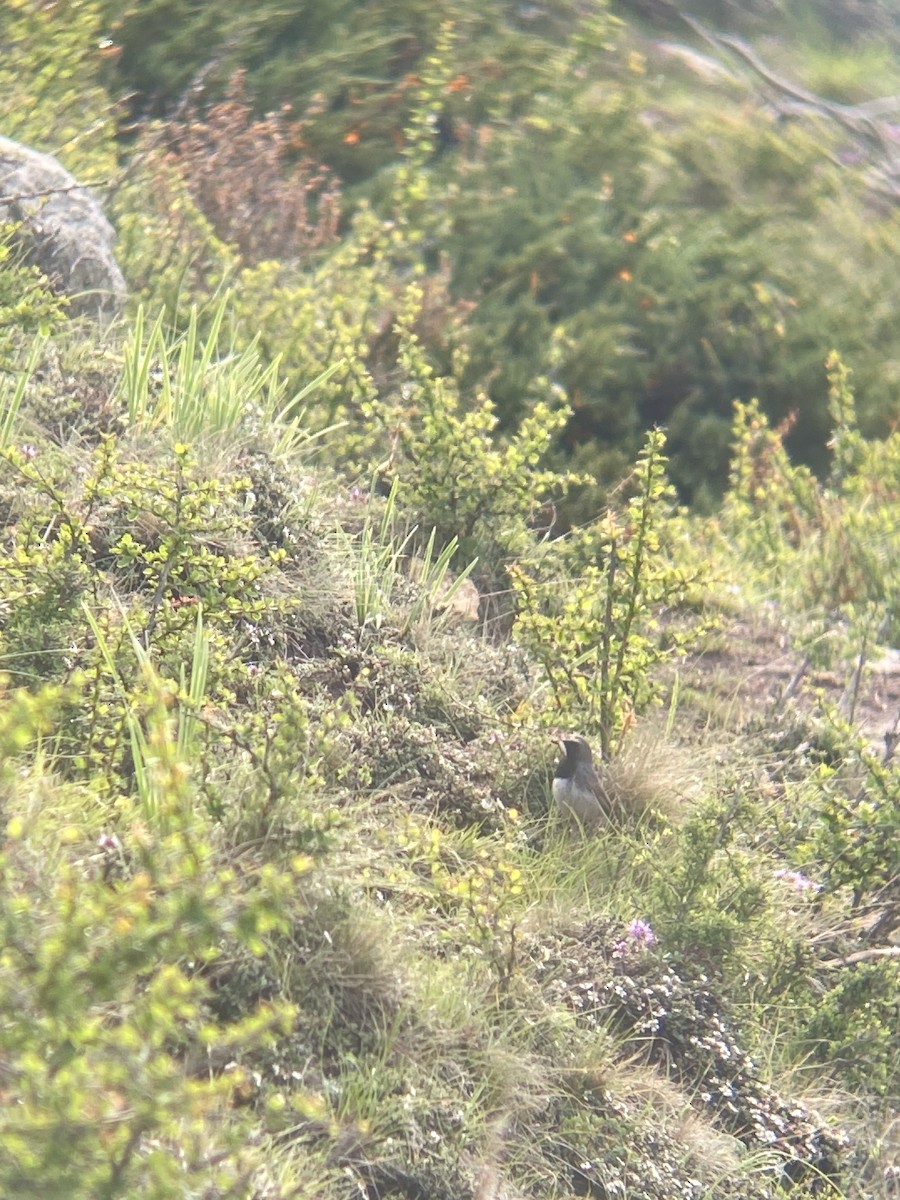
{"points": [[891, 740], [54, 191], [794, 682], [866, 121], [848, 960]]}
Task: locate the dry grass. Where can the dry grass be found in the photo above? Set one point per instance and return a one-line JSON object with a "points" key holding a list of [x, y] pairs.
{"points": [[653, 775]]}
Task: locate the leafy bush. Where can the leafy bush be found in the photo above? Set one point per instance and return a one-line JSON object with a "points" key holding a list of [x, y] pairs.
{"points": [[455, 472], [116, 1076], [588, 609], [158, 537], [27, 304], [241, 176], [597, 226], [852, 1026], [660, 281], [358, 71], [56, 85], [43, 569], [166, 247], [829, 546]]}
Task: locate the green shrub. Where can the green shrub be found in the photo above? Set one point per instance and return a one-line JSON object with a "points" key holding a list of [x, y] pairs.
{"points": [[27, 305], [849, 820], [662, 280], [852, 1029], [827, 547], [457, 473], [44, 570], [588, 609], [596, 225], [166, 247], [150, 544], [56, 84], [115, 1072]]}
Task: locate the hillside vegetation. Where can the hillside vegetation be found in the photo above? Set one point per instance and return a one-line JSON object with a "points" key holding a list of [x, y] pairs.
{"points": [[380, 485]]}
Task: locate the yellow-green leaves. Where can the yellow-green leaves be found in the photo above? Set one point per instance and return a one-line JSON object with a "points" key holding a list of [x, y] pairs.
{"points": [[588, 609]]}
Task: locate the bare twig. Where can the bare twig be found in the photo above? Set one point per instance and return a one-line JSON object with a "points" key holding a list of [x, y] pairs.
{"points": [[848, 701], [794, 682], [867, 122], [848, 960], [891, 740], [55, 191]]}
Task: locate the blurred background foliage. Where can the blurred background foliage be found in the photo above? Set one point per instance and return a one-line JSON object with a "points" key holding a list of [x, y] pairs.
{"points": [[611, 197]]}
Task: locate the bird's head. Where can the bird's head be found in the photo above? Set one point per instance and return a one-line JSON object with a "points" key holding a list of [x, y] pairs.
{"points": [[575, 749]]}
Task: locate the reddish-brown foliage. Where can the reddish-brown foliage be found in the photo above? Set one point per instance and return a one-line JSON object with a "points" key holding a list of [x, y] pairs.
{"points": [[245, 177]]}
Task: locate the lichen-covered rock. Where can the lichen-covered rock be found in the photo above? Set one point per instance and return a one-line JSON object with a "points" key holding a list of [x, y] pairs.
{"points": [[62, 230], [681, 1026]]}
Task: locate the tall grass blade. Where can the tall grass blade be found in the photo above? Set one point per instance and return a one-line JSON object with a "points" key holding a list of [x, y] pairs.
{"points": [[9, 410], [193, 690]]}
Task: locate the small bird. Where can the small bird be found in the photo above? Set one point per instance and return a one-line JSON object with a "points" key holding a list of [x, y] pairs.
{"points": [[578, 793]]}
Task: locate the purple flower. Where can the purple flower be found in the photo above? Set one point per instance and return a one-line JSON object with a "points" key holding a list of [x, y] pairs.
{"points": [[640, 931], [28, 451]]}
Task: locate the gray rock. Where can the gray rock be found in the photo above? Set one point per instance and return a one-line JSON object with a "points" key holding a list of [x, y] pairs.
{"points": [[63, 231]]}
